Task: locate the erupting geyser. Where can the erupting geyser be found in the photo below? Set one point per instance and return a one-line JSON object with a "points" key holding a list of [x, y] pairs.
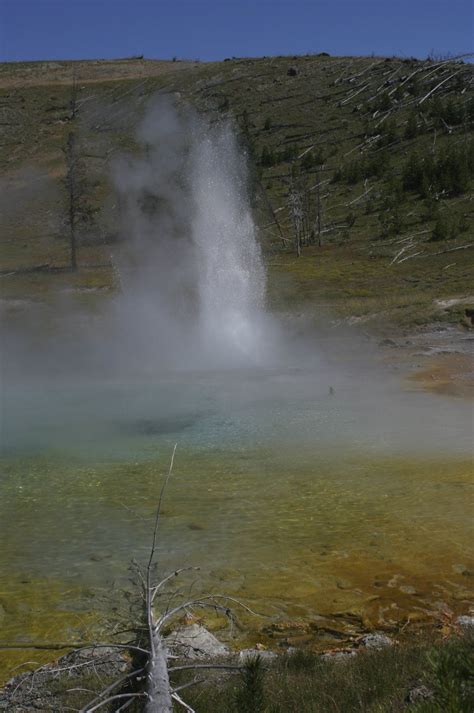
{"points": [[193, 275], [231, 273]]}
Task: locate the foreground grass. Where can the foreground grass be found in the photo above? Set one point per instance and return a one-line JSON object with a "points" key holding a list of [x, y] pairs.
{"points": [[425, 677], [373, 681]]}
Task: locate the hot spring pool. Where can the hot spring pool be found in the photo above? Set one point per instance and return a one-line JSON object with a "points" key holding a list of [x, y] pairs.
{"points": [[299, 501]]}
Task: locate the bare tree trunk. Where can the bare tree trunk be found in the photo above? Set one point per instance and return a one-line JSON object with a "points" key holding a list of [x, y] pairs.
{"points": [[158, 682], [73, 102], [318, 216], [72, 193], [298, 244], [71, 174], [272, 212]]}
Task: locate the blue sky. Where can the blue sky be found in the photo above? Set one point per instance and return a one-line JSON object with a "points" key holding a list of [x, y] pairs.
{"points": [[215, 29]]}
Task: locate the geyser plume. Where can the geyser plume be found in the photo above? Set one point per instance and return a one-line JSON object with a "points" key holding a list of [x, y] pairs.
{"points": [[192, 276]]}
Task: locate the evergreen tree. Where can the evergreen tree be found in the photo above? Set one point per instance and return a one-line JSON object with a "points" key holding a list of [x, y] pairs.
{"points": [[411, 129]]}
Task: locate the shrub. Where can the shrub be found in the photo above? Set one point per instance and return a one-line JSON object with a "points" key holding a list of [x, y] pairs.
{"points": [[388, 132], [413, 173], [452, 679], [444, 229], [384, 102], [450, 172], [411, 129], [250, 697], [312, 159], [350, 219], [267, 157]]}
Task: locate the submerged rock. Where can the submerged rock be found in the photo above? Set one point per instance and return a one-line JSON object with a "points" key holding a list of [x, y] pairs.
{"points": [[407, 589], [195, 642], [462, 569]]}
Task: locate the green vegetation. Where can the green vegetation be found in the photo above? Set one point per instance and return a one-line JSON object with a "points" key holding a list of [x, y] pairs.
{"points": [[250, 695], [422, 678], [374, 155], [372, 682]]}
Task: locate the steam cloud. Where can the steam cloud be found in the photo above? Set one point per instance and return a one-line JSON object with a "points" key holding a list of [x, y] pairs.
{"points": [[185, 342], [193, 282]]}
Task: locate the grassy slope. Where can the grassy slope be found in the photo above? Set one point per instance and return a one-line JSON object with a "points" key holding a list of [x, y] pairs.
{"points": [[336, 106]]}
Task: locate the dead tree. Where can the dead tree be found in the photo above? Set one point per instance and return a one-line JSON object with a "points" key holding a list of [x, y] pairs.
{"points": [[296, 214], [159, 692], [73, 100], [150, 680], [71, 176], [72, 190], [158, 687], [318, 209]]}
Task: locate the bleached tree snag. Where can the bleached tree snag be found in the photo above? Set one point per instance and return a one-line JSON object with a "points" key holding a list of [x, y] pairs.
{"points": [[71, 182], [158, 687], [318, 216]]}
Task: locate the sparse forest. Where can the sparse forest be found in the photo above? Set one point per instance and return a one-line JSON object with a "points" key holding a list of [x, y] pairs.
{"points": [[365, 159]]}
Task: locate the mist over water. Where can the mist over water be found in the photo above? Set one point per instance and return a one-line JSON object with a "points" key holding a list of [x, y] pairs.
{"points": [[185, 348]]}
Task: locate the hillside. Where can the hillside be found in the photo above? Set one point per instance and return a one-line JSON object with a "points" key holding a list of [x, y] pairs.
{"points": [[364, 166]]}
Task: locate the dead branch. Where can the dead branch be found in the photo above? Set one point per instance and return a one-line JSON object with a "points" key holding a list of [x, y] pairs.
{"points": [[203, 601], [182, 703], [400, 253], [409, 237], [440, 252], [359, 198], [109, 689], [438, 86], [58, 647], [367, 69], [354, 94], [185, 667], [115, 698], [336, 81], [452, 250], [187, 685], [408, 257], [167, 579]]}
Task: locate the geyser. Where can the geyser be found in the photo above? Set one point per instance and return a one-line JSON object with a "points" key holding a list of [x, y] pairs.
{"points": [[185, 346], [192, 277]]}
